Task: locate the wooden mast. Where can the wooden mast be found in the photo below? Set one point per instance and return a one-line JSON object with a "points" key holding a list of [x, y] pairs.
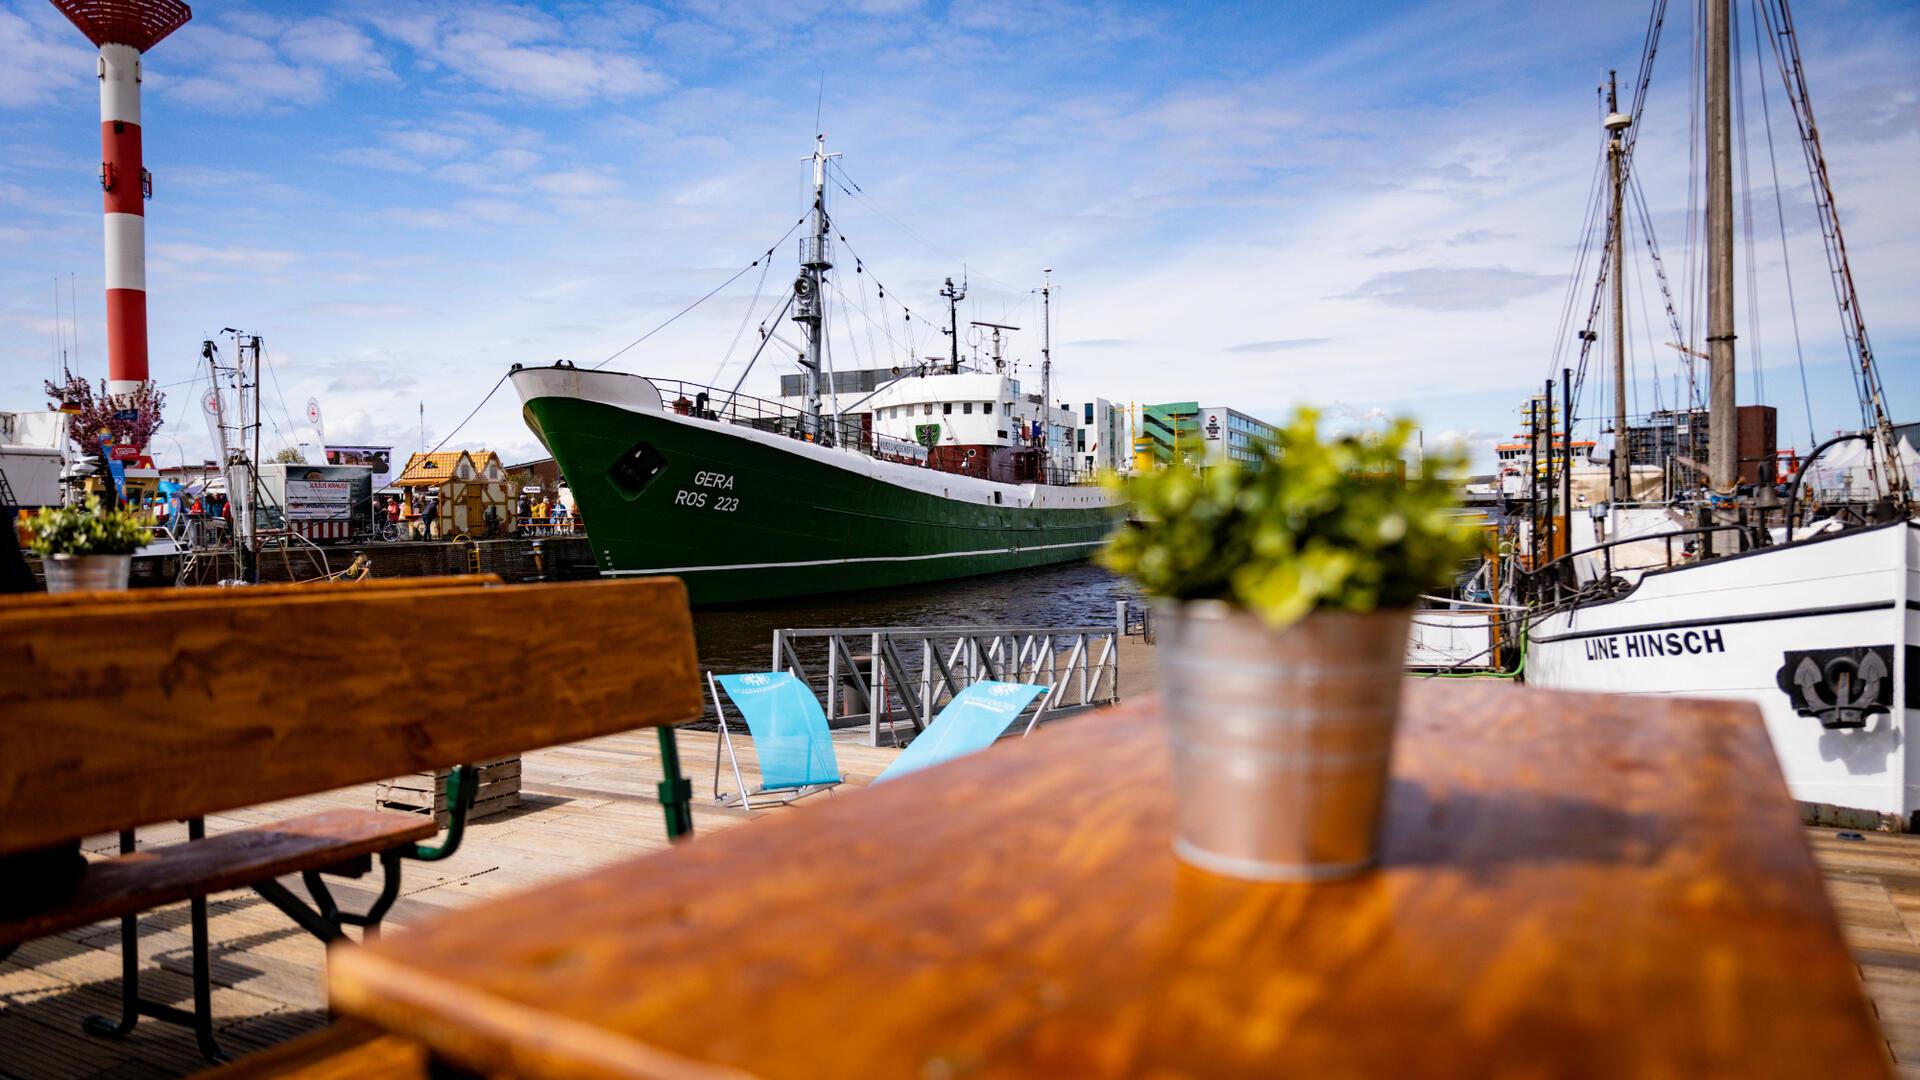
{"points": [[1723, 436]]}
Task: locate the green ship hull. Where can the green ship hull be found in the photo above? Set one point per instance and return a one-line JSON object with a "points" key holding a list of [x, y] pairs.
{"points": [[744, 515]]}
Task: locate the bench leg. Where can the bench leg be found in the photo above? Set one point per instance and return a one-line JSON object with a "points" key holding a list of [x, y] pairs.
{"points": [[129, 972], [203, 982], [132, 1008]]}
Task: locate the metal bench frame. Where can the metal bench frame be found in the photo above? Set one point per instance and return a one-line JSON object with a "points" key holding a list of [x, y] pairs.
{"points": [[323, 918]]}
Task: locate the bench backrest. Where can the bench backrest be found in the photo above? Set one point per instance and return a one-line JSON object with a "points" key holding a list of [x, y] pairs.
{"points": [[31, 604], [122, 714]]}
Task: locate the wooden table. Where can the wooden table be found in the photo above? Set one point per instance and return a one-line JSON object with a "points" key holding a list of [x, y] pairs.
{"points": [[1572, 885]]}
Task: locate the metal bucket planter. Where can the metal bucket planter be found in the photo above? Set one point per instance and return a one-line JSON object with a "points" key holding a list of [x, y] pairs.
{"points": [[1282, 740], [85, 573]]}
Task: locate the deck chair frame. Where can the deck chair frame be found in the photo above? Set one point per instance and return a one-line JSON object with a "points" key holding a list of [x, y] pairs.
{"points": [[743, 797]]}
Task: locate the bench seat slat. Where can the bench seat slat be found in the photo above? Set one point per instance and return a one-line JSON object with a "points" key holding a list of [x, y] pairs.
{"points": [[128, 884], [349, 1050]]}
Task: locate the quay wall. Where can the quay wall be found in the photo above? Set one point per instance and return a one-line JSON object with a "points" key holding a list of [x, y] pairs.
{"points": [[555, 558]]}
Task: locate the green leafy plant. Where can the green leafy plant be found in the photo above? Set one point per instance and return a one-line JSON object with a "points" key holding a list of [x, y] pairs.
{"points": [[85, 530], [1341, 523]]}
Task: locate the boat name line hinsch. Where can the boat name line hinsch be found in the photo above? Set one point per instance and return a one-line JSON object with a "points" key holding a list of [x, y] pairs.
{"points": [[862, 559], [1648, 644]]}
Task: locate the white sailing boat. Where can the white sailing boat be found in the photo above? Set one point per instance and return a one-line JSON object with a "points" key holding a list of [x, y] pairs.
{"points": [[1718, 595]]}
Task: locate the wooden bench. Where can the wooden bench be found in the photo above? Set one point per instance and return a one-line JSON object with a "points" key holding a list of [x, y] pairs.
{"points": [[121, 711]]}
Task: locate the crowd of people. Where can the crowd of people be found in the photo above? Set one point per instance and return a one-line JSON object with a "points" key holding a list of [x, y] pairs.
{"points": [[539, 512]]}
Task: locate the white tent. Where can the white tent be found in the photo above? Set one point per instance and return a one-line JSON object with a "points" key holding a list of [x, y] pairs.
{"points": [[1846, 472]]}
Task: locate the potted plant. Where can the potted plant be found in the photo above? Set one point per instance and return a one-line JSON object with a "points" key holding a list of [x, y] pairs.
{"points": [[85, 547], [1284, 592]]}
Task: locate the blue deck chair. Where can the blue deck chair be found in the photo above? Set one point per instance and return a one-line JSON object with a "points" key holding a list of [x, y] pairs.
{"points": [[970, 723], [789, 735]]}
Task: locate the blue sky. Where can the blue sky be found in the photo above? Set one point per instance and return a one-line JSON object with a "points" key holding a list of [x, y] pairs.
{"points": [[1371, 207]]}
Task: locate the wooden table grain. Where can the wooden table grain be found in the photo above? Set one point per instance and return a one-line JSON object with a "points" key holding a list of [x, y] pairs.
{"points": [[1571, 885]]}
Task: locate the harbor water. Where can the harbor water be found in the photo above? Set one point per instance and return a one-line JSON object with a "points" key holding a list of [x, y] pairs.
{"points": [[739, 638]]}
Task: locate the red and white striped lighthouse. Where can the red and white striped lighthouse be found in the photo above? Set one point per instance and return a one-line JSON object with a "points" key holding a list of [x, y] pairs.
{"points": [[124, 29]]}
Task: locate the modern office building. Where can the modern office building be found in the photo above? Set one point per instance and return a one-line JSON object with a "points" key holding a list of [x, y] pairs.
{"points": [[1198, 435], [1230, 435]]}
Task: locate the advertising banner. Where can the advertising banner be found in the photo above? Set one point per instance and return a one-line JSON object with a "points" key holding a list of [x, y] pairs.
{"points": [[319, 500], [380, 457]]}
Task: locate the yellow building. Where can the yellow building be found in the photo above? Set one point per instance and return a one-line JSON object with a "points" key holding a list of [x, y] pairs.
{"points": [[466, 486]]}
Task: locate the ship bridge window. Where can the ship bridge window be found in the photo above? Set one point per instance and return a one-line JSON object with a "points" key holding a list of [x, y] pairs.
{"points": [[927, 409], [946, 408], [987, 407], [967, 407], [636, 469]]}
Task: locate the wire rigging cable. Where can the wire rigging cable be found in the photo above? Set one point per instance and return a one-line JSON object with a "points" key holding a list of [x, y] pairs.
{"points": [[746, 316], [675, 317], [1780, 216]]}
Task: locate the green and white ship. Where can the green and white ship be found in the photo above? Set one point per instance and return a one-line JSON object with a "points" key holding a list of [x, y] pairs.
{"points": [[940, 473]]}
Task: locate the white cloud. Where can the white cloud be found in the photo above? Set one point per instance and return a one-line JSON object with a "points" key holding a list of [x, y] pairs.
{"points": [[525, 53], [44, 59], [251, 63], [576, 183], [335, 44]]}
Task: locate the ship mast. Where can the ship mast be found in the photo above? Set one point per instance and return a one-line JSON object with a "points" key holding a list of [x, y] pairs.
{"points": [[1046, 372], [953, 294], [1616, 124], [809, 299], [1723, 447]]}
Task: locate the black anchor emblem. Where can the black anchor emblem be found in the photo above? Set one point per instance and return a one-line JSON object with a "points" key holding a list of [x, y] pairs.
{"points": [[1840, 687]]}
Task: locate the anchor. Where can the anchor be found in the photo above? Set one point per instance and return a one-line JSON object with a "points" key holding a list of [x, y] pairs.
{"points": [[1839, 687]]}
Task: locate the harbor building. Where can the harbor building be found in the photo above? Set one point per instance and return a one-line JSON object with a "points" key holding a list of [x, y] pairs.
{"points": [[1189, 432], [1166, 434], [1683, 436], [1231, 435], [1100, 439]]}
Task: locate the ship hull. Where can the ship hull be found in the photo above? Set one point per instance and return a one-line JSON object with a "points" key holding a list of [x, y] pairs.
{"points": [[745, 515], [1802, 631]]}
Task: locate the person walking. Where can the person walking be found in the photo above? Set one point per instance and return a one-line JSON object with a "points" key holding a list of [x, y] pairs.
{"points": [[431, 515]]}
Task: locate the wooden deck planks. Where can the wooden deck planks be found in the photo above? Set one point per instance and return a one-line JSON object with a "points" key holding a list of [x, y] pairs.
{"points": [[1875, 885], [585, 804], [268, 974]]}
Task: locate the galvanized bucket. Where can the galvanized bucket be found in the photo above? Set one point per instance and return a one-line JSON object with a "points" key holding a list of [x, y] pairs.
{"points": [[1282, 740], [84, 573]]}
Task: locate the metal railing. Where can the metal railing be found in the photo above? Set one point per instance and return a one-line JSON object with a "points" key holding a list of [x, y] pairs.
{"points": [[1558, 579], [761, 414], [724, 406], [883, 676]]}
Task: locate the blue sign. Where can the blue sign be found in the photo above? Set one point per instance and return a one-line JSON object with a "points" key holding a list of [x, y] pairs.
{"points": [[127, 414], [115, 467]]}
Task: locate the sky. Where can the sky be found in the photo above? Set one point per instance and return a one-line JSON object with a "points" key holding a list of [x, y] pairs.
{"points": [[1376, 209]]}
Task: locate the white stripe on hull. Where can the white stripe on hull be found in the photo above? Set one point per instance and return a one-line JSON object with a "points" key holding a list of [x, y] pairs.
{"points": [[862, 559]]}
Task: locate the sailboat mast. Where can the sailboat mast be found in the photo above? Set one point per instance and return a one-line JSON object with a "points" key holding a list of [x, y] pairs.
{"points": [[1723, 445], [1616, 125]]}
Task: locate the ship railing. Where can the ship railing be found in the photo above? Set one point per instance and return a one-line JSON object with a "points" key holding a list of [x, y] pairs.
{"points": [[780, 418], [1557, 581], [887, 677]]}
